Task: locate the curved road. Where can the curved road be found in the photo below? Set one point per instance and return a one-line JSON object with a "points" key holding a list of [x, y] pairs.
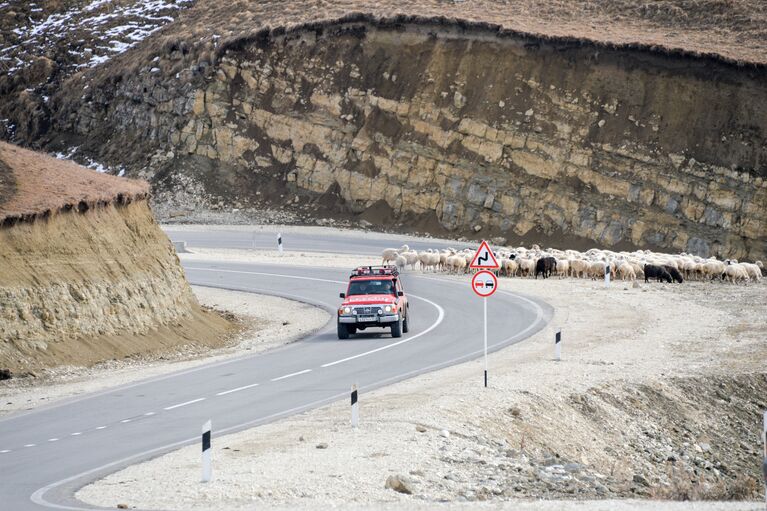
{"points": [[48, 453]]}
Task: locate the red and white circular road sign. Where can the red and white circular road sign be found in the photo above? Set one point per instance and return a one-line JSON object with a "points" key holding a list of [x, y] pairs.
{"points": [[484, 283]]}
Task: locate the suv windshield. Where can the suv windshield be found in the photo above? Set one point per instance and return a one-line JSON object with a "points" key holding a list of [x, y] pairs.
{"points": [[371, 287]]}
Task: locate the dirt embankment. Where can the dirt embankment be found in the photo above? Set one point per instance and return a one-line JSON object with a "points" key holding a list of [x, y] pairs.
{"points": [[86, 274]]}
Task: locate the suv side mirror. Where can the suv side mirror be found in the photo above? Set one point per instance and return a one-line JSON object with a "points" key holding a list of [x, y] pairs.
{"points": [[400, 293], [342, 295]]}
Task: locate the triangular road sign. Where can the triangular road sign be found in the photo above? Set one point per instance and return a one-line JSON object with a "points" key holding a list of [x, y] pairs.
{"points": [[484, 258]]}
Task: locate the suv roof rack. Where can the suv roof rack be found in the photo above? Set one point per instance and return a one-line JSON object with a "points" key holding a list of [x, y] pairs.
{"points": [[371, 271]]}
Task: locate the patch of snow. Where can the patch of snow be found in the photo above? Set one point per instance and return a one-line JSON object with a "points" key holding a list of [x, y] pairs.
{"points": [[68, 155], [134, 21]]}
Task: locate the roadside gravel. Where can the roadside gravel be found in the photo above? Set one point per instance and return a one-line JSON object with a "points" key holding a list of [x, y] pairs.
{"points": [[267, 322], [658, 396]]}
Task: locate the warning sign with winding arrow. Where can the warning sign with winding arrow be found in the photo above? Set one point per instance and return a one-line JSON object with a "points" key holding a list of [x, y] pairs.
{"points": [[484, 258]]}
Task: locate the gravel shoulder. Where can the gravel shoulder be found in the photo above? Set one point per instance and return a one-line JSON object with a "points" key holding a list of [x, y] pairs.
{"points": [[267, 322], [659, 396]]}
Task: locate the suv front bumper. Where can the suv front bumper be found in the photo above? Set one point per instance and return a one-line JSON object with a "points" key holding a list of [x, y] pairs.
{"points": [[355, 320]]}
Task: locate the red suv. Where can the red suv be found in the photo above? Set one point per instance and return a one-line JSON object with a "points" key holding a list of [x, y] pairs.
{"points": [[374, 298]]}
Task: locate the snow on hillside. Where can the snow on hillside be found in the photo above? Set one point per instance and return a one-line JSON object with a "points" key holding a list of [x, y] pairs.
{"points": [[84, 36]]}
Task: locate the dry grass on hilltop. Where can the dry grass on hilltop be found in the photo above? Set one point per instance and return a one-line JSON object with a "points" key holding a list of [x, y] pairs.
{"points": [[32, 183], [730, 30]]}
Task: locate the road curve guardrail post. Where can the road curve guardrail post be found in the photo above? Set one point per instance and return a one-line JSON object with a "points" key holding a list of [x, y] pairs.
{"points": [[206, 454], [279, 243], [764, 457], [558, 346], [355, 407]]}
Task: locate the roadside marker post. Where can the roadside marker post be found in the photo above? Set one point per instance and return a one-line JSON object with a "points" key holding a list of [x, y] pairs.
{"points": [[558, 346], [206, 454], [484, 283], [355, 407], [764, 460], [607, 274], [279, 243]]}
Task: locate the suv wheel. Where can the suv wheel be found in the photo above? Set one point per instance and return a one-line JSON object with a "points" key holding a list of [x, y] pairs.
{"points": [[343, 332], [406, 324], [396, 329]]}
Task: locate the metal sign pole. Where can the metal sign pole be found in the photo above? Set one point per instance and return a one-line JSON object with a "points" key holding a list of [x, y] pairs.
{"points": [[484, 301]]}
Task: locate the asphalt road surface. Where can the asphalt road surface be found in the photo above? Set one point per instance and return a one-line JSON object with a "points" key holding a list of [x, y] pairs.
{"points": [[338, 243], [48, 453]]}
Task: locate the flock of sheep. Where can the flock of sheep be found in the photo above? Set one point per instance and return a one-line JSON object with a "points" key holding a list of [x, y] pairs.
{"points": [[524, 262]]}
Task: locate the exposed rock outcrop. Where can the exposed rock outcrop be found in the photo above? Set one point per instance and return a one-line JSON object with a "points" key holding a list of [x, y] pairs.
{"points": [[86, 274], [532, 140]]}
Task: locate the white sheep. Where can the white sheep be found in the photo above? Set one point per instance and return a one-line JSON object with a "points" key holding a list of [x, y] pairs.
{"points": [[390, 254]]}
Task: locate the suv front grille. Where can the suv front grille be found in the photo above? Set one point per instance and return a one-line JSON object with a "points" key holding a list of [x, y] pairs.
{"points": [[365, 310]]}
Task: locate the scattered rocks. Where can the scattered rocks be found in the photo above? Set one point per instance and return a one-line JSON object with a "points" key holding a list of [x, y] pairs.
{"points": [[641, 480], [322, 445], [400, 484], [5, 374], [444, 433], [420, 429]]}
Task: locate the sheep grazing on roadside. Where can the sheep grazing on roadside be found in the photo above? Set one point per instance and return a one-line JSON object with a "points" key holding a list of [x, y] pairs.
{"points": [[735, 272], [754, 272], [674, 273], [412, 258], [390, 254], [510, 267], [652, 271], [526, 266], [400, 261], [545, 266], [626, 271]]}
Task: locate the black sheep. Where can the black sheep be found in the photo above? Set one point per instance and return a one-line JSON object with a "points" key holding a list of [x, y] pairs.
{"points": [[674, 273], [546, 266], [656, 272]]}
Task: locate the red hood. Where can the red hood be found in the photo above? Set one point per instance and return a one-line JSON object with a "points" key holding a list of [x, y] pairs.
{"points": [[369, 299]]}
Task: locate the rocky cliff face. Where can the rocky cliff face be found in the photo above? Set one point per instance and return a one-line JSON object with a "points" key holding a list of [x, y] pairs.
{"points": [[89, 282], [461, 130]]}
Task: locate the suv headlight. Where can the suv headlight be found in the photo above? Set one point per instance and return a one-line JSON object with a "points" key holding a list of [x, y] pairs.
{"points": [[347, 310], [387, 308]]}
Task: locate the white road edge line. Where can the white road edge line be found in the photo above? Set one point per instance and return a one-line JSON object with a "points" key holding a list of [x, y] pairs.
{"points": [[237, 389], [440, 310], [38, 497], [185, 403], [291, 375]]}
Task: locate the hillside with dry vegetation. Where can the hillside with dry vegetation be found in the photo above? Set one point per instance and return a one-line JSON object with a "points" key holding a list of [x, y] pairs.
{"points": [[635, 124], [86, 274]]}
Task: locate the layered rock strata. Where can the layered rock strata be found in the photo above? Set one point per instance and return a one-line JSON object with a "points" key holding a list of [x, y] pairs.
{"points": [[91, 282], [532, 140]]}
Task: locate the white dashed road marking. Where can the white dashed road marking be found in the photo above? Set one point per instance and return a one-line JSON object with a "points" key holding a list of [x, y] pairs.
{"points": [[148, 414], [30, 445], [101, 427], [292, 374], [125, 420], [53, 439], [237, 389], [77, 433], [5, 451], [185, 403]]}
